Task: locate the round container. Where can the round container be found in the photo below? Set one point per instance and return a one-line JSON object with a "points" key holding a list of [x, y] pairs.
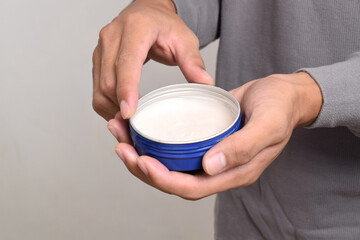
{"points": [[183, 154]]}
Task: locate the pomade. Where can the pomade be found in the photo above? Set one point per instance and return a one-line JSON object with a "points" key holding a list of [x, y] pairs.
{"points": [[178, 124], [182, 119]]}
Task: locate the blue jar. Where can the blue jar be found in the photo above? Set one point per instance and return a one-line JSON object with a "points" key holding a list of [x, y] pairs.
{"points": [[180, 154]]}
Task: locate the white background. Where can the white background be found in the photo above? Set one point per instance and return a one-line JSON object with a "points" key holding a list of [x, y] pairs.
{"points": [[59, 175]]}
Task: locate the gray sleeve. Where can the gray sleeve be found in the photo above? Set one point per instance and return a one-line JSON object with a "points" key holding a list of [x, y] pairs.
{"points": [[202, 17], [340, 86]]}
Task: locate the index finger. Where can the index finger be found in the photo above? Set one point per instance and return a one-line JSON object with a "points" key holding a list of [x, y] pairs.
{"points": [[133, 52], [194, 187]]}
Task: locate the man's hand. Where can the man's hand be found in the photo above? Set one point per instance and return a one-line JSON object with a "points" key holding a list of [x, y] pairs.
{"points": [[142, 31], [272, 106]]}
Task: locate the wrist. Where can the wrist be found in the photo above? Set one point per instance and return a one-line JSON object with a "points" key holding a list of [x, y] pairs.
{"points": [[309, 99], [170, 5], [167, 4]]}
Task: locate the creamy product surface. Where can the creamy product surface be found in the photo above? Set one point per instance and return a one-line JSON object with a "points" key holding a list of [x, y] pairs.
{"points": [[182, 119]]}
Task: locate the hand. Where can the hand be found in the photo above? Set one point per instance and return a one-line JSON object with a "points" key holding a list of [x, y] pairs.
{"points": [[142, 31], [272, 106]]}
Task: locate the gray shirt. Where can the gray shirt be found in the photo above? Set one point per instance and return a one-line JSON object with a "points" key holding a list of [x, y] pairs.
{"points": [[312, 190]]}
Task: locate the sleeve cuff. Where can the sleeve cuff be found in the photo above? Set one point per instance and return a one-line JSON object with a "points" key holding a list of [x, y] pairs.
{"points": [[340, 87]]}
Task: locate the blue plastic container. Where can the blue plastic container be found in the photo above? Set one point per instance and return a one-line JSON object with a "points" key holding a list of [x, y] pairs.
{"points": [[183, 155]]}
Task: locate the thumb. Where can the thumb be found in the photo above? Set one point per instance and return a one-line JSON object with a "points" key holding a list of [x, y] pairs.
{"points": [[191, 64], [237, 149]]}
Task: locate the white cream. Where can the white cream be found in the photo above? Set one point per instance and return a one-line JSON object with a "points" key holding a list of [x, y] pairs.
{"points": [[183, 119]]}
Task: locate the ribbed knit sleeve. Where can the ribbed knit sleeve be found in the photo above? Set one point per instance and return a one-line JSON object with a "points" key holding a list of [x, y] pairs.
{"points": [[202, 17], [340, 86]]}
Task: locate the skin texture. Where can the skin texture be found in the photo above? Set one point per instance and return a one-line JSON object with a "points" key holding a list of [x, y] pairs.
{"points": [[272, 106], [144, 30]]}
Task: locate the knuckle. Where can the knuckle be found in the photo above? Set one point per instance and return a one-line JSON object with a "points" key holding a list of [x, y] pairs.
{"points": [[279, 136], [241, 154], [98, 102], [106, 32], [193, 56], [107, 85], [245, 180], [192, 196], [103, 32], [188, 192], [250, 180], [120, 89], [131, 18], [95, 54], [126, 88]]}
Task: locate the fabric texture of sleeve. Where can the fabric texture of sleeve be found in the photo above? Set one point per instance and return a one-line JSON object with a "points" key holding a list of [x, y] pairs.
{"points": [[340, 87], [202, 17]]}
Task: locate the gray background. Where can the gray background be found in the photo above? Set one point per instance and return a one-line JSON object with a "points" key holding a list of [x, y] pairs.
{"points": [[59, 175]]}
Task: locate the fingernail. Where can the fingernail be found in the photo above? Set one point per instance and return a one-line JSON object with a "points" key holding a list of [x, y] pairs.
{"points": [[113, 131], [142, 166], [208, 77], [120, 153], [215, 163], [124, 109]]}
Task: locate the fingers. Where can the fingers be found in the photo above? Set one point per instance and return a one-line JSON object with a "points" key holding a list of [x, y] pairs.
{"points": [[119, 128], [129, 156], [132, 55], [194, 187], [110, 42], [188, 58], [181, 184], [242, 146], [101, 104], [104, 107], [125, 46]]}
